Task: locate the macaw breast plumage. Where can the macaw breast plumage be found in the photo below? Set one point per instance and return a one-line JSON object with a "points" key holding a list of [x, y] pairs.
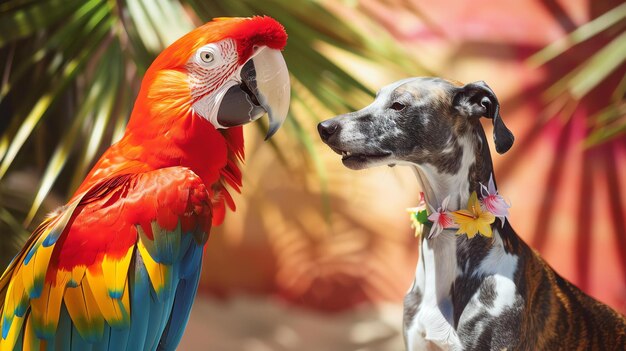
{"points": [[117, 268]]}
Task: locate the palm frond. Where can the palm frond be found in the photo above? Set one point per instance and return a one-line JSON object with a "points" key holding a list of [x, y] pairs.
{"points": [[593, 72], [73, 67]]}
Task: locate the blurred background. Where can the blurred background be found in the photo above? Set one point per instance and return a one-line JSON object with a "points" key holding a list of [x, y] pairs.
{"points": [[318, 257]]}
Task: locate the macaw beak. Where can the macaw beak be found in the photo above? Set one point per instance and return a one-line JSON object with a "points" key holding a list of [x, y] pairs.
{"points": [[264, 89]]}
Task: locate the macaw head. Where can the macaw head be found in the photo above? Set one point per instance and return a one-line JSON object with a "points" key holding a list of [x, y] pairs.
{"points": [[229, 71], [200, 90]]}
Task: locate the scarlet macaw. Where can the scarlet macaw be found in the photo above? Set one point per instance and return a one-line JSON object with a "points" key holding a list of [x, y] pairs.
{"points": [[117, 268]]}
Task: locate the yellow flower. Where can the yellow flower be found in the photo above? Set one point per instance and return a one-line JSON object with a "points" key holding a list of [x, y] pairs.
{"points": [[474, 219]]}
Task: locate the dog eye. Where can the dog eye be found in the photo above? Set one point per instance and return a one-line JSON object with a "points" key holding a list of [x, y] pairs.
{"points": [[397, 106]]}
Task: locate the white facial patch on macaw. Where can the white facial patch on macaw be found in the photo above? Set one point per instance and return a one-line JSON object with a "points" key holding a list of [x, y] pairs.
{"points": [[212, 71]]}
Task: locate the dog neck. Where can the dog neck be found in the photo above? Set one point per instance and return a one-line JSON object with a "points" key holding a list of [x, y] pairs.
{"points": [[448, 259], [474, 168]]}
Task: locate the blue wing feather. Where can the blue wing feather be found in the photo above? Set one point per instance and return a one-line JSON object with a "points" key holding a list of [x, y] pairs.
{"points": [[78, 343], [118, 339], [184, 297], [63, 340], [103, 344], [50, 345], [139, 306], [166, 300]]}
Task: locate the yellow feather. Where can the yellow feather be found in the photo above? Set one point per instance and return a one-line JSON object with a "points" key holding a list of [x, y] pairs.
{"points": [[16, 289], [45, 309], [110, 308], [115, 271], [76, 275], [125, 302], [31, 341], [83, 310], [35, 271], [158, 273], [16, 327], [14, 295], [24, 282], [37, 267]]}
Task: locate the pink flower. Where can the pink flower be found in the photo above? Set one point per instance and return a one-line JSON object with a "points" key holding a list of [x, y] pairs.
{"points": [[441, 219], [494, 202]]}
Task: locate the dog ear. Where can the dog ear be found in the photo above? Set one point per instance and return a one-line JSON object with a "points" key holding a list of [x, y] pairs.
{"points": [[475, 100]]}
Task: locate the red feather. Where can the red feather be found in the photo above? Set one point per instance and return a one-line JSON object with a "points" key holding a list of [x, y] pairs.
{"points": [[100, 225], [164, 132], [170, 168]]}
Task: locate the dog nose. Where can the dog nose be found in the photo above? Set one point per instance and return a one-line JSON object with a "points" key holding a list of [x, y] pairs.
{"points": [[327, 129]]}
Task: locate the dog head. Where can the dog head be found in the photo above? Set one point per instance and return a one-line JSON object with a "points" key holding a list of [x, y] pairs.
{"points": [[417, 121]]}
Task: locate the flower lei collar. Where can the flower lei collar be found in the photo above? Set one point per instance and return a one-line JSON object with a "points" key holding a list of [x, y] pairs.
{"points": [[475, 219]]}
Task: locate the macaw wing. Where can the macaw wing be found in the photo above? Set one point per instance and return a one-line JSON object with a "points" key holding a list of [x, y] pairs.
{"points": [[110, 269]]}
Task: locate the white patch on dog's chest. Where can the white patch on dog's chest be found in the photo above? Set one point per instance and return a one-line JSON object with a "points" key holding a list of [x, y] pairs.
{"points": [[500, 266], [430, 330], [432, 327], [496, 295], [497, 260], [506, 295]]}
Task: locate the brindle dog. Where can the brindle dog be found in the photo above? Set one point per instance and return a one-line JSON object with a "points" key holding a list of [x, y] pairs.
{"points": [[468, 294]]}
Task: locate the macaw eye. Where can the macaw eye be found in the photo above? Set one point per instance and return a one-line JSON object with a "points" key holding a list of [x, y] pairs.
{"points": [[207, 56]]}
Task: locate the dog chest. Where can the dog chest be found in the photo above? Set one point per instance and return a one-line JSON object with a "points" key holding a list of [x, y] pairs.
{"points": [[463, 307]]}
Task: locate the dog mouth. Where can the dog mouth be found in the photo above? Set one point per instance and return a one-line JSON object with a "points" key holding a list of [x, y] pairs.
{"points": [[357, 160]]}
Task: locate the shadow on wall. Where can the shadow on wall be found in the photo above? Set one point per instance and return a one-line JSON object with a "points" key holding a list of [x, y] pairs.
{"points": [[280, 243]]}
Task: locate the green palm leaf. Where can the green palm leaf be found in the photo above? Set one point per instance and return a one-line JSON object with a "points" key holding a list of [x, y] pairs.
{"points": [[72, 69]]}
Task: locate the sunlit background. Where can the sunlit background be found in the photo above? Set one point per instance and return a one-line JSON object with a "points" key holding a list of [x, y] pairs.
{"points": [[318, 257]]}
